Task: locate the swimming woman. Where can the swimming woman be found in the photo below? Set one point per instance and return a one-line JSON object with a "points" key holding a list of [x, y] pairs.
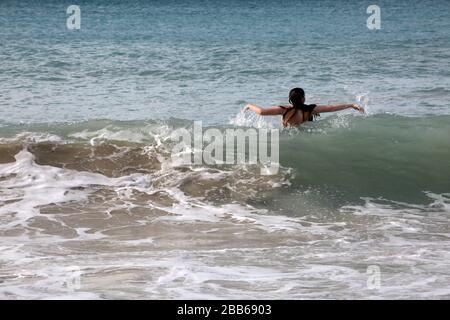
{"points": [[299, 112]]}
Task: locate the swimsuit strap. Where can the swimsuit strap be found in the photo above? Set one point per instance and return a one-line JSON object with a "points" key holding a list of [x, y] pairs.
{"points": [[287, 110]]}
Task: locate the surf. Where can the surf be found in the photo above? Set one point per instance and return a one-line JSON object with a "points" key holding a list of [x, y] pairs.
{"points": [[380, 155]]}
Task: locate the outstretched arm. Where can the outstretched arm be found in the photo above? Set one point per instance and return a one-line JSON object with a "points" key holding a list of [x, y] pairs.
{"points": [[265, 111], [337, 107]]}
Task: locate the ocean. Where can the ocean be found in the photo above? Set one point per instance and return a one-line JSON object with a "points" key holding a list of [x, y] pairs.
{"points": [[92, 206]]}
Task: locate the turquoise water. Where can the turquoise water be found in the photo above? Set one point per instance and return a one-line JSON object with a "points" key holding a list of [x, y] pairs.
{"points": [[204, 59], [93, 206]]}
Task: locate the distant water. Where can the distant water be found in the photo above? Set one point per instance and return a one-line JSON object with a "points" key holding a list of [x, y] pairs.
{"points": [[91, 205], [203, 59]]}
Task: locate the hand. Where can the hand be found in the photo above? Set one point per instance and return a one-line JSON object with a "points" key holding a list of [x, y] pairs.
{"points": [[358, 108], [247, 107]]}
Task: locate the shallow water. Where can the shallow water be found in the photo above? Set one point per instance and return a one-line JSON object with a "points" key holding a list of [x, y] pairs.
{"points": [[93, 206], [109, 204]]}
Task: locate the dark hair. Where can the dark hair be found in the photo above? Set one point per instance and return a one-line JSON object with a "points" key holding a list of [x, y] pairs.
{"points": [[296, 97]]}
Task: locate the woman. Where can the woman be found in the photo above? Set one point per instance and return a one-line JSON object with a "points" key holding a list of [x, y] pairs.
{"points": [[299, 112]]}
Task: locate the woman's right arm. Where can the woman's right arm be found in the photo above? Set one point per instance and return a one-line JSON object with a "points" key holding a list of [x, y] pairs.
{"points": [[265, 111], [337, 107]]}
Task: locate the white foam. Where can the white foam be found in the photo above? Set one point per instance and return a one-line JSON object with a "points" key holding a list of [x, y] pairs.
{"points": [[250, 119], [42, 185], [32, 137], [298, 257], [156, 134]]}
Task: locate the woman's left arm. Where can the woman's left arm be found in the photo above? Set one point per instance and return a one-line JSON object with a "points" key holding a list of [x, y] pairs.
{"points": [[337, 107]]}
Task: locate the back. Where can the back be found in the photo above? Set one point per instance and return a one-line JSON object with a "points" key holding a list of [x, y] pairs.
{"points": [[295, 115]]}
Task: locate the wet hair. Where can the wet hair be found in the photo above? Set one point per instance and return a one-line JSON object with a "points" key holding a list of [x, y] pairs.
{"points": [[296, 97]]}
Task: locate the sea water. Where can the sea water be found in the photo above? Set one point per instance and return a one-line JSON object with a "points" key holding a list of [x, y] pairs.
{"points": [[92, 205]]}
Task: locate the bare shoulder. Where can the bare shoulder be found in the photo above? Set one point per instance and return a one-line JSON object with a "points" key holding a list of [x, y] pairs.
{"points": [[320, 108]]}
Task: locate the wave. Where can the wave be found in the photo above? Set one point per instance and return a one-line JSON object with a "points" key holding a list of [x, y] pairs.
{"points": [[343, 157], [382, 155]]}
